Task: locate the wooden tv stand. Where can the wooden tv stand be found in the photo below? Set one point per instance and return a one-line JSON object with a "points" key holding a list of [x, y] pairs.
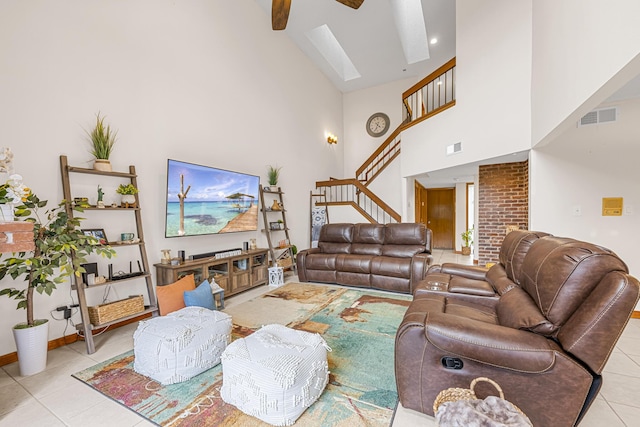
{"points": [[234, 274]]}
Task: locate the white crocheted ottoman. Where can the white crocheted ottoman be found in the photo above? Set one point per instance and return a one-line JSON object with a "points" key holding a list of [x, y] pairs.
{"points": [[275, 373], [176, 347]]}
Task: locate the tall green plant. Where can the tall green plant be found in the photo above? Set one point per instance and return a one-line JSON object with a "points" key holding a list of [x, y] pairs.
{"points": [[273, 173], [102, 139], [60, 249]]}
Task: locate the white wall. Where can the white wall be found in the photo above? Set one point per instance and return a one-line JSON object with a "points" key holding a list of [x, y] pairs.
{"points": [[201, 81], [578, 45], [577, 170], [493, 101]]}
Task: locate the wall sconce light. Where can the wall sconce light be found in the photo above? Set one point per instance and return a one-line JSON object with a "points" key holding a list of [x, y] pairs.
{"points": [[332, 139]]}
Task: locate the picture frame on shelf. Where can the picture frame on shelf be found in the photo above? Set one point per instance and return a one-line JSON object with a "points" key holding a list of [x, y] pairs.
{"points": [[98, 233], [275, 226]]}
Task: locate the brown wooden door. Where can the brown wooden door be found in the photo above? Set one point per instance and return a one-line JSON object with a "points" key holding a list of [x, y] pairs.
{"points": [[441, 216], [420, 203]]}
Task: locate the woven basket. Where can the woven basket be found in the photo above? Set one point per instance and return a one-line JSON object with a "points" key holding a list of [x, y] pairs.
{"points": [[284, 262], [100, 314], [454, 394]]}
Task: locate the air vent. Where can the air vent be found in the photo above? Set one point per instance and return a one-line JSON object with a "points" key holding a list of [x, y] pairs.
{"points": [[454, 148], [604, 115]]}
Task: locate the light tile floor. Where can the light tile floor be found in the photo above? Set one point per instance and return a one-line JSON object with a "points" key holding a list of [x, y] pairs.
{"points": [[54, 398]]}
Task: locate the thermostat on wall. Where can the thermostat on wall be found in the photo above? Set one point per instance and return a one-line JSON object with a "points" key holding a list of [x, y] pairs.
{"points": [[611, 206]]}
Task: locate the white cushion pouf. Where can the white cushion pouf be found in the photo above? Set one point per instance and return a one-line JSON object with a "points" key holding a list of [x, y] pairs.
{"points": [[275, 373], [176, 347]]}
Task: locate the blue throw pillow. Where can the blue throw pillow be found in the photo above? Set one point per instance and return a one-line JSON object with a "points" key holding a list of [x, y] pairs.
{"points": [[200, 297]]}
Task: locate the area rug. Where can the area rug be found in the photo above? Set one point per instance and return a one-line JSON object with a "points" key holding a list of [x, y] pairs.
{"points": [[358, 325]]}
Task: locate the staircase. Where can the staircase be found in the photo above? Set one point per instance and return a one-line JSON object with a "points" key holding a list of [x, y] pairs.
{"points": [[430, 96]]}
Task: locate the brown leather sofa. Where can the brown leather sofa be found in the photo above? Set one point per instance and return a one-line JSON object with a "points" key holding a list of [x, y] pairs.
{"points": [[545, 340], [392, 257], [469, 282]]}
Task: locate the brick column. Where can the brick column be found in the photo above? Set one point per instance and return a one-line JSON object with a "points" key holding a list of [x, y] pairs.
{"points": [[503, 201]]}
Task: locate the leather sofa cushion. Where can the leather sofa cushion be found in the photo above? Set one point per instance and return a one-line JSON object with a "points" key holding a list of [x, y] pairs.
{"points": [[368, 239], [353, 263], [401, 251], [406, 234], [368, 233], [517, 310], [337, 233], [366, 249], [321, 262], [334, 248], [513, 250], [560, 273], [391, 266], [462, 285], [469, 310], [469, 271], [498, 279]]}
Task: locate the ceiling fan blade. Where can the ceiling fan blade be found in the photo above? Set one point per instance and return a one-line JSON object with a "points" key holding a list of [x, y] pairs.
{"points": [[280, 14], [351, 3]]}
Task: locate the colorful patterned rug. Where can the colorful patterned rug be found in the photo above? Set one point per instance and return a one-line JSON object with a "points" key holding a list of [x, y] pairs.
{"points": [[358, 325]]}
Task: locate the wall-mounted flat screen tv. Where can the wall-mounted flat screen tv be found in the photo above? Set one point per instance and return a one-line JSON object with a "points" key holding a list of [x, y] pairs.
{"points": [[208, 200]]}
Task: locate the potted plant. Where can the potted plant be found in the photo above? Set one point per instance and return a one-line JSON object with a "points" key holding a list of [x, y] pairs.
{"points": [[60, 247], [273, 173], [102, 139], [467, 240], [128, 193]]}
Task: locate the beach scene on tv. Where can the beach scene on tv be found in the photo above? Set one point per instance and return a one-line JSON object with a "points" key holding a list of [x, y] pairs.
{"points": [[207, 200]]}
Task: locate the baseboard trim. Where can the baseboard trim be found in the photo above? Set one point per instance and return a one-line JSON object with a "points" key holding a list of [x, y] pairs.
{"points": [[70, 339], [635, 315]]}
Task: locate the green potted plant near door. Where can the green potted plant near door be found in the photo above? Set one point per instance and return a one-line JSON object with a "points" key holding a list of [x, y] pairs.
{"points": [[273, 174], [467, 240], [102, 139], [60, 247]]}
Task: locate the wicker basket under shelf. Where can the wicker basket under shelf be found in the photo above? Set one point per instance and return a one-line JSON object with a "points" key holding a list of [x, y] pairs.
{"points": [[103, 313], [284, 262]]}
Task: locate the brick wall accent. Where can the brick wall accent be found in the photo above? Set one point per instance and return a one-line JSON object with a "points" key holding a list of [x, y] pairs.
{"points": [[16, 236], [503, 200]]}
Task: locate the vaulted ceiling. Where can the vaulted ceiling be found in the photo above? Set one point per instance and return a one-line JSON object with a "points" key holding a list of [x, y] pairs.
{"points": [[370, 38]]}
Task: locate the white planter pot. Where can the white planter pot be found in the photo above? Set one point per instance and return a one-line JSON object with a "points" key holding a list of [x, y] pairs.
{"points": [[31, 344], [128, 199]]}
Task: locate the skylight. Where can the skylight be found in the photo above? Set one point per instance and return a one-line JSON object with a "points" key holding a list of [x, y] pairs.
{"points": [[327, 44], [411, 29]]}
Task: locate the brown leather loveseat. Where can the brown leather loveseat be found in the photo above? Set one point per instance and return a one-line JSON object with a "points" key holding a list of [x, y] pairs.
{"points": [[545, 340], [392, 257]]}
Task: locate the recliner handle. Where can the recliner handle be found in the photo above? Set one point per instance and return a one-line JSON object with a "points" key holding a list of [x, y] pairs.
{"points": [[451, 362]]}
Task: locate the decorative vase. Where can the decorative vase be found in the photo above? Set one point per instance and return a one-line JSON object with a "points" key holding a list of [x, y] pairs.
{"points": [[31, 345], [6, 213], [128, 200], [102, 165], [275, 206]]}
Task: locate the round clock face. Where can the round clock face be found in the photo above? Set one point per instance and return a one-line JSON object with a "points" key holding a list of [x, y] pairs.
{"points": [[378, 124]]}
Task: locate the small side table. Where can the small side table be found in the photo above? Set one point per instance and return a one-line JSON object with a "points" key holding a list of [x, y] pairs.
{"points": [[276, 276]]}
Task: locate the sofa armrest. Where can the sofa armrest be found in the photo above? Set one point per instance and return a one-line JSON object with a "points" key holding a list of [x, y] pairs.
{"points": [[468, 271], [419, 266], [301, 265], [491, 344]]}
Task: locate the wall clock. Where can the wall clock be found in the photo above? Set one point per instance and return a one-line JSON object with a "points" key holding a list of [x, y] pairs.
{"points": [[378, 124]]}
